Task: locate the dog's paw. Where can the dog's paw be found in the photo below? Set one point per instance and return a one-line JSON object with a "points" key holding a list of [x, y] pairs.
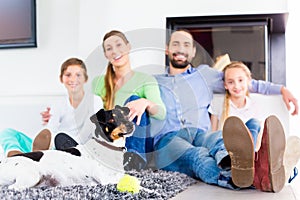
{"points": [[133, 161]]}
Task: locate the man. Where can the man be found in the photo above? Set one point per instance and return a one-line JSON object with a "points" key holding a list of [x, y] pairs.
{"points": [[182, 142]]}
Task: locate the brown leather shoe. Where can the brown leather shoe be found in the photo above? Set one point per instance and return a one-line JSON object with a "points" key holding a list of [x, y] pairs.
{"points": [[239, 144], [269, 169], [42, 141]]}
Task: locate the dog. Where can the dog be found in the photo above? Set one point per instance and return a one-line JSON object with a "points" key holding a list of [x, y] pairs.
{"points": [[98, 161], [113, 124]]}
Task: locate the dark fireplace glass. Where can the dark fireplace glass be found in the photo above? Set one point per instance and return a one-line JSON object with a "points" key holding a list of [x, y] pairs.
{"points": [[246, 43]]}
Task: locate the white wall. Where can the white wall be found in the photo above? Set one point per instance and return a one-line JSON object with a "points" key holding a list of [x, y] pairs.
{"points": [[76, 27], [292, 45], [35, 70]]}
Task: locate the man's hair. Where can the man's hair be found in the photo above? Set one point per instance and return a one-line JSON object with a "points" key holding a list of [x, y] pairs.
{"points": [[170, 33]]}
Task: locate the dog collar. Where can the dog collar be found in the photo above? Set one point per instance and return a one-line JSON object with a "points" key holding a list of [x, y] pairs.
{"points": [[112, 147]]}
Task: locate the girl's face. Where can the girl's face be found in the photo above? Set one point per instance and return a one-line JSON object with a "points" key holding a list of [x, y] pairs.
{"points": [[73, 78], [236, 82], [116, 51]]}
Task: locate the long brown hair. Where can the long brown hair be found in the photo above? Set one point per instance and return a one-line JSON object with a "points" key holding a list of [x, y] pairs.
{"points": [[226, 106], [109, 97]]}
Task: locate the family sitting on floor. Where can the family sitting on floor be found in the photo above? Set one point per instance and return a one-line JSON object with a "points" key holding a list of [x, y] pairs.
{"points": [[176, 120]]}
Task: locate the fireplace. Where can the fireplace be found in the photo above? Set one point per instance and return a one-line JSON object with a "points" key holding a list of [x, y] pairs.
{"points": [[257, 40]]}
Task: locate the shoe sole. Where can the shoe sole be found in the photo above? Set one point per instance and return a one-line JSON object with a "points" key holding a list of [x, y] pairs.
{"points": [[63, 141], [42, 141], [271, 178], [276, 152], [239, 144]]}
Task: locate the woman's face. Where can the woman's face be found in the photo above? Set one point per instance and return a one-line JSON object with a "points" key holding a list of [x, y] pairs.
{"points": [[236, 82], [116, 51], [73, 78]]}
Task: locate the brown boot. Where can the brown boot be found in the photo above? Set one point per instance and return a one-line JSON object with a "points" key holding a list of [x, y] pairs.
{"points": [[42, 141], [269, 169], [239, 144]]}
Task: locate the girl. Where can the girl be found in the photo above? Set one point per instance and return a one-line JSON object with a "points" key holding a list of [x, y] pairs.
{"points": [[138, 91], [237, 102]]}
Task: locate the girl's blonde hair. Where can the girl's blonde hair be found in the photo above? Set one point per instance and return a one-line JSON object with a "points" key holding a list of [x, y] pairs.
{"points": [[226, 106], [109, 97]]}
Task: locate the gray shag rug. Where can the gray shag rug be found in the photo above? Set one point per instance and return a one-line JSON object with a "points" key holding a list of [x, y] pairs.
{"points": [[159, 184]]}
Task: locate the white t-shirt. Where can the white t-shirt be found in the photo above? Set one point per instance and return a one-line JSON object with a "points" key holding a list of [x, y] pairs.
{"points": [[250, 110], [74, 122]]}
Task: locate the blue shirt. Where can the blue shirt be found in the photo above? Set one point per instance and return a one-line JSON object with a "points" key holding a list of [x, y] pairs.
{"points": [[187, 97]]}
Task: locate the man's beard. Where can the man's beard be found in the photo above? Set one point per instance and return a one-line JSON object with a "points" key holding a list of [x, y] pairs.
{"points": [[178, 65]]}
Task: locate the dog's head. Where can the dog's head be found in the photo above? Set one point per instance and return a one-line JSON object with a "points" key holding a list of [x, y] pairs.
{"points": [[112, 124]]}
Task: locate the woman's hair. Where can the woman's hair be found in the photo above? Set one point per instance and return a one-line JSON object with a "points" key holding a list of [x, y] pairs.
{"points": [[226, 106], [73, 61], [108, 99]]}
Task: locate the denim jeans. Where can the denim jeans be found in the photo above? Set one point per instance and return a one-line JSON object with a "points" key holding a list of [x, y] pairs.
{"points": [[254, 127], [140, 142], [193, 152], [197, 154]]}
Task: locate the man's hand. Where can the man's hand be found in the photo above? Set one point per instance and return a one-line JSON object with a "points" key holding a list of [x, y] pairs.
{"points": [[46, 116], [289, 98]]}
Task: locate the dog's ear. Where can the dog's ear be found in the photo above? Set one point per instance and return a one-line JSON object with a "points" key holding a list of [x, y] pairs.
{"points": [[93, 118], [99, 116], [124, 110]]}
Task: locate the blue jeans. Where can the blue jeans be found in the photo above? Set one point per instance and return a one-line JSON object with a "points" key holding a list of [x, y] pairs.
{"points": [[254, 127], [197, 153], [140, 142]]}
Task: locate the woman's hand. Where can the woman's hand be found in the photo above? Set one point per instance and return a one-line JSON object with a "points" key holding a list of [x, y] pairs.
{"points": [[46, 116], [137, 108]]}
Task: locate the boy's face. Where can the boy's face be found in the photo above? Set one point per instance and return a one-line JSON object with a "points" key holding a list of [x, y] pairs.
{"points": [[73, 78], [181, 50]]}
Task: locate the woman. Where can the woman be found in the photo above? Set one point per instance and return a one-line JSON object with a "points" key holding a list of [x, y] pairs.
{"points": [[138, 91], [71, 115]]}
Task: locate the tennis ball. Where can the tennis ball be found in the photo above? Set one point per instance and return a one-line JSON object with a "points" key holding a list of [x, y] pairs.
{"points": [[128, 184]]}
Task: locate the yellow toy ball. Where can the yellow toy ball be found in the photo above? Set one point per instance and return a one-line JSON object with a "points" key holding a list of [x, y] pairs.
{"points": [[128, 184]]}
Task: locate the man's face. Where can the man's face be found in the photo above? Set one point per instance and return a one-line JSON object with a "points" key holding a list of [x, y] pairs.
{"points": [[181, 50]]}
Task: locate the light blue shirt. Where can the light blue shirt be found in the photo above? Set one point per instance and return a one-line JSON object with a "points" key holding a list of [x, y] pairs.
{"points": [[187, 97]]}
